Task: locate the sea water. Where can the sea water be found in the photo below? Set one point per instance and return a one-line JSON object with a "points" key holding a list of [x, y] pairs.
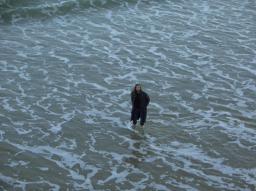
{"points": [[67, 68]]}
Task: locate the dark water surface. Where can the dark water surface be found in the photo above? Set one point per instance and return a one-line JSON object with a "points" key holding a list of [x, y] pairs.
{"points": [[66, 71]]}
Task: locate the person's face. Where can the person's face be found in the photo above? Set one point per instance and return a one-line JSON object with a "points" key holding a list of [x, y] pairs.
{"points": [[138, 88]]}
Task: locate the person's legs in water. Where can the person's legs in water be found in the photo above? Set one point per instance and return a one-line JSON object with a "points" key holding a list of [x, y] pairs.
{"points": [[135, 115], [143, 116]]}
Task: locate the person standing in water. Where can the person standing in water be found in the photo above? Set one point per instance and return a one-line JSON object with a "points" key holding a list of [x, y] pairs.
{"points": [[140, 101]]}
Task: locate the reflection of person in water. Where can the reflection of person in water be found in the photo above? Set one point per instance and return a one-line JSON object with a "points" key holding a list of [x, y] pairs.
{"points": [[140, 101], [137, 150]]}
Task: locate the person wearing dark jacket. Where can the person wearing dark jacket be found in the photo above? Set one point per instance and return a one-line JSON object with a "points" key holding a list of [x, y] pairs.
{"points": [[140, 101]]}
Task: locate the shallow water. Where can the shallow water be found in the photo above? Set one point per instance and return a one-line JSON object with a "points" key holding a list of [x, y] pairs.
{"points": [[66, 72]]}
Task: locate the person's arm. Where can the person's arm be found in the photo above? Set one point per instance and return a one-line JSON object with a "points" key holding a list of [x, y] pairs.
{"points": [[132, 98], [148, 99]]}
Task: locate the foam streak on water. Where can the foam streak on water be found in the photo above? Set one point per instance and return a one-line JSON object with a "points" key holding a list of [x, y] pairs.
{"points": [[66, 71]]}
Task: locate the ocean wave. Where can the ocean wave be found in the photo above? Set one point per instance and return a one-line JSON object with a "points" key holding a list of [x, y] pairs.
{"points": [[11, 11]]}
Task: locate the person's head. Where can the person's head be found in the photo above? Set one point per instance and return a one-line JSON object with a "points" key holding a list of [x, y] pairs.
{"points": [[137, 88]]}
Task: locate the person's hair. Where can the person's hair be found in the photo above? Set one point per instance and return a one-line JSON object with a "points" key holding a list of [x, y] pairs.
{"points": [[134, 88]]}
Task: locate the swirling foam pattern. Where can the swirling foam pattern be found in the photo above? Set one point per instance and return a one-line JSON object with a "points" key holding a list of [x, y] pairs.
{"points": [[66, 71]]}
